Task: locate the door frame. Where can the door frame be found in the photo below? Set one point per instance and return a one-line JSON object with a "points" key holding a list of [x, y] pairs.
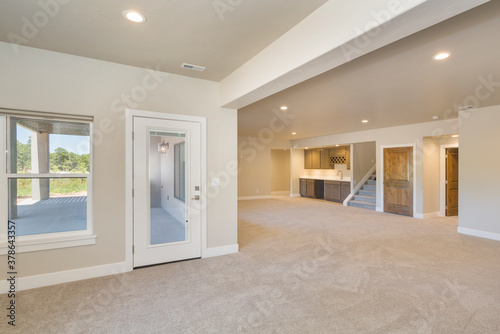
{"points": [[442, 177], [129, 163], [380, 186]]}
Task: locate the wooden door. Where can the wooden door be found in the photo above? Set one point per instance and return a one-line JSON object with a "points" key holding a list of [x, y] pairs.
{"points": [[398, 180], [452, 181]]}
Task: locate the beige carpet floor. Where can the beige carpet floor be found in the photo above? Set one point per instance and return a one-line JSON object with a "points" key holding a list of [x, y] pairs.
{"points": [[305, 266]]}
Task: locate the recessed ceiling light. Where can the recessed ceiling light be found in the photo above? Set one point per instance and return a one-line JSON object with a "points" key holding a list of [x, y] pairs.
{"points": [[441, 56], [454, 136], [306, 148], [284, 108], [134, 16], [337, 145], [294, 133], [435, 117], [364, 121]]}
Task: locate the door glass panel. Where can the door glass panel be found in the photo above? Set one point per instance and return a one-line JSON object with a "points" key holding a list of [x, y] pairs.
{"points": [[167, 170]]}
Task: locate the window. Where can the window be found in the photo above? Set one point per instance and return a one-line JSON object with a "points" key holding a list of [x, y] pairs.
{"points": [[47, 176], [180, 171]]}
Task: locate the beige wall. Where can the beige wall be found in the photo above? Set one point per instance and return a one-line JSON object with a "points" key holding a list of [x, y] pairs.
{"points": [[297, 169], [47, 81], [431, 172], [254, 162], [479, 165], [364, 157], [280, 170]]}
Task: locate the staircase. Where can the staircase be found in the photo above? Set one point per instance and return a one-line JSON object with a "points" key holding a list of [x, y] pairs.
{"points": [[366, 197]]}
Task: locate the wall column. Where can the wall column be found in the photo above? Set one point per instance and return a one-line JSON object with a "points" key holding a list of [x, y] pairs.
{"points": [[40, 160]]}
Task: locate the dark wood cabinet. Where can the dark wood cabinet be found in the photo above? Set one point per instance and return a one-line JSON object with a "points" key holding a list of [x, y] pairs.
{"points": [[303, 187], [320, 158], [315, 159], [312, 188], [325, 158], [345, 191], [337, 191], [308, 159]]}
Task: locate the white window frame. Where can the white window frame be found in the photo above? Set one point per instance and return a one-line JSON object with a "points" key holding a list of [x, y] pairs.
{"points": [[37, 242]]}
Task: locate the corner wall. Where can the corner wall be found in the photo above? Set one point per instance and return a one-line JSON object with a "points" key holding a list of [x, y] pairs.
{"points": [[479, 166]]}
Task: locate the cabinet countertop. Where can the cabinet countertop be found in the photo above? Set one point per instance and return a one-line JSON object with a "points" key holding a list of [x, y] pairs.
{"points": [[326, 178]]}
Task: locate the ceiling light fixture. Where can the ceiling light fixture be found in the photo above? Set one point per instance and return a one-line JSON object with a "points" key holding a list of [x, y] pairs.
{"points": [[364, 121], [284, 108], [294, 133], [337, 145], [454, 136], [441, 56], [134, 16], [306, 148]]}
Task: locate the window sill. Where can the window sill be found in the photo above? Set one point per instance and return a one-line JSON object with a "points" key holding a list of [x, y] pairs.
{"points": [[44, 242]]}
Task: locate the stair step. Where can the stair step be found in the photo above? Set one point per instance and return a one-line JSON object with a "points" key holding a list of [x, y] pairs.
{"points": [[369, 187], [371, 182], [370, 193], [367, 199], [363, 205]]}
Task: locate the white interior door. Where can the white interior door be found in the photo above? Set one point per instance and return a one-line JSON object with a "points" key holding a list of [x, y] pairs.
{"points": [[167, 177]]}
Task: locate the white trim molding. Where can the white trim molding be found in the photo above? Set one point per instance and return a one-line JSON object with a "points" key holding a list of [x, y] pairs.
{"points": [[45, 242], [478, 233], [248, 198], [222, 250], [37, 281]]}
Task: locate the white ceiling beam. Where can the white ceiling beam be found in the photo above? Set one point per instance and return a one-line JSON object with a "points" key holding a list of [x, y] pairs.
{"points": [[337, 32]]}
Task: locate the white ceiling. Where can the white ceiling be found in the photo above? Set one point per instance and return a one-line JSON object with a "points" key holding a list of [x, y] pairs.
{"points": [[396, 85], [176, 31]]}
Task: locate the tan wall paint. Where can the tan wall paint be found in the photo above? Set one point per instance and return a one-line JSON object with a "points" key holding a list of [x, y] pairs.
{"points": [[280, 170], [479, 163], [254, 162], [364, 157], [41, 80], [297, 169], [431, 171]]}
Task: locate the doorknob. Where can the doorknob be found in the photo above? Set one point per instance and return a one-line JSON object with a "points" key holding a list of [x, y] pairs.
{"points": [[196, 197]]}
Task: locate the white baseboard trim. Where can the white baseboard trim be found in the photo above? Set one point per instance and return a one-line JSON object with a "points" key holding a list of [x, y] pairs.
{"points": [[426, 215], [247, 198], [478, 233], [295, 195], [379, 209], [280, 193], [223, 250], [38, 281]]}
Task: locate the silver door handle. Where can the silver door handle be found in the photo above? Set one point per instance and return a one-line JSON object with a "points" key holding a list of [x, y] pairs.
{"points": [[196, 197]]}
